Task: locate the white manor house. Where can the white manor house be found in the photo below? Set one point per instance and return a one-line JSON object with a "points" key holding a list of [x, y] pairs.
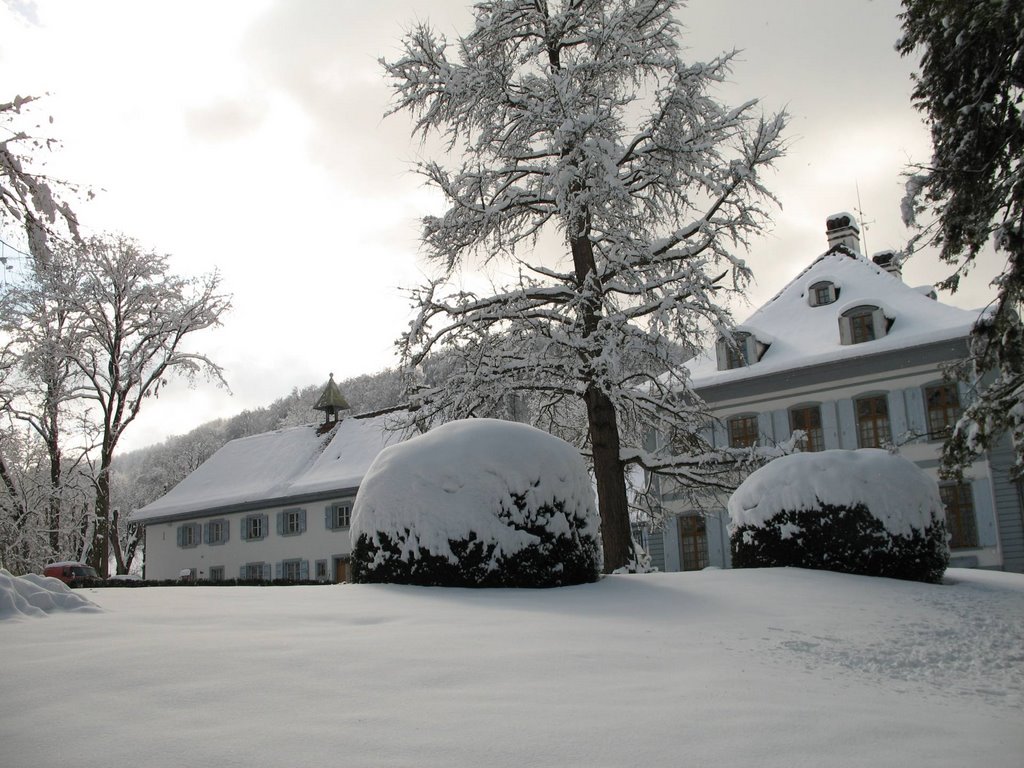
{"points": [[853, 356]]}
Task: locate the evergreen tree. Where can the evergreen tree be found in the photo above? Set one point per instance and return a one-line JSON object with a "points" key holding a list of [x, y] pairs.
{"points": [[971, 90]]}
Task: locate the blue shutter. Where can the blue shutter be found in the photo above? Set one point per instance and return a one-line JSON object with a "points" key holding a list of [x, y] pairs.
{"points": [[721, 435], [241, 571], [327, 517], [266, 571], [243, 532], [280, 523], [829, 425], [304, 570], [302, 521], [917, 421], [898, 425], [181, 535], [206, 533], [780, 424], [266, 526], [226, 528], [277, 570], [984, 517], [847, 424]]}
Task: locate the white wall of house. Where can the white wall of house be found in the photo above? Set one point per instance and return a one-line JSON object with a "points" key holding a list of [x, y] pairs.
{"points": [[166, 557], [904, 390]]}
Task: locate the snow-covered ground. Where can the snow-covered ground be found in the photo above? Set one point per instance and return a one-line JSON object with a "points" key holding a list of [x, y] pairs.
{"points": [[778, 667]]}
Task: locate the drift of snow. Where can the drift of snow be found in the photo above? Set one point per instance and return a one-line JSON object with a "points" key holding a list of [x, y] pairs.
{"points": [[33, 596], [464, 478], [772, 668], [893, 489]]}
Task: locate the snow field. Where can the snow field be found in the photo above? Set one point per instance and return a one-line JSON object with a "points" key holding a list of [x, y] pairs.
{"points": [[779, 667]]}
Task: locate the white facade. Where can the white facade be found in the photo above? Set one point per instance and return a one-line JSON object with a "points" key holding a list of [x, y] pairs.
{"points": [[849, 353]]}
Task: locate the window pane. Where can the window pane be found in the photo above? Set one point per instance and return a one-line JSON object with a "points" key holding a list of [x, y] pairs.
{"points": [[743, 431], [809, 420], [963, 531], [943, 405], [862, 327], [873, 422]]}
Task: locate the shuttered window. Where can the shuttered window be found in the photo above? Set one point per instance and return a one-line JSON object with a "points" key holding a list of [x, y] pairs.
{"points": [[291, 522], [189, 535], [942, 403], [338, 516], [254, 527]]}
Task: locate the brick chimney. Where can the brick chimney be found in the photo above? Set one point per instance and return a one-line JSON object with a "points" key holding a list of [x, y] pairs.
{"points": [[842, 229]]}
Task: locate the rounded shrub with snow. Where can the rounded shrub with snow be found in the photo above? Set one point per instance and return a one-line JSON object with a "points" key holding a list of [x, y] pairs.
{"points": [[477, 503], [867, 511]]}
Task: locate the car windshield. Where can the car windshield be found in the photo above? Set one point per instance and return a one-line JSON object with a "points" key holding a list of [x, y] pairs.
{"points": [[85, 572]]}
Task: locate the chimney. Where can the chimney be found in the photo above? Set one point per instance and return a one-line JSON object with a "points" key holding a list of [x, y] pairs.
{"points": [[842, 229], [890, 262]]}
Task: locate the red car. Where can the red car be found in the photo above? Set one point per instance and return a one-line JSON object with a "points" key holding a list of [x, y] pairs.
{"points": [[71, 573]]}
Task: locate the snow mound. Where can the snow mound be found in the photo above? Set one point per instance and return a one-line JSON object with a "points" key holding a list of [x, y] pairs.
{"points": [[867, 512], [473, 496], [896, 491], [33, 595]]}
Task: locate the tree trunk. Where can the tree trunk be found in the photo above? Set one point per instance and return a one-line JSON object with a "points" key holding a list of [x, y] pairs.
{"points": [[602, 421], [101, 535], [616, 538]]}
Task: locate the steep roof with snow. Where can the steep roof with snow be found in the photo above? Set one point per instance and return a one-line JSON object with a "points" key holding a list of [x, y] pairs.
{"points": [[275, 467], [799, 335]]}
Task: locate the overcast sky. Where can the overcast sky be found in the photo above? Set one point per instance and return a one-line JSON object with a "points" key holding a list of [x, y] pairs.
{"points": [[248, 136]]}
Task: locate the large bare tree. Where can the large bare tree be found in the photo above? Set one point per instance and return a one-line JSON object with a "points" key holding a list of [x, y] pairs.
{"points": [[135, 317], [581, 118]]}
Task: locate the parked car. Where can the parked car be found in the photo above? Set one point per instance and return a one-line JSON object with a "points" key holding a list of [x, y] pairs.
{"points": [[70, 573]]}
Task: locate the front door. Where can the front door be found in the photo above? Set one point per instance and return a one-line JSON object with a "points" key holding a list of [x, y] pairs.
{"points": [[341, 571]]}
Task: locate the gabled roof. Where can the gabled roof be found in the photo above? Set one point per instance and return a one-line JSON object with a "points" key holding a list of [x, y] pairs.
{"points": [[275, 467], [801, 335]]}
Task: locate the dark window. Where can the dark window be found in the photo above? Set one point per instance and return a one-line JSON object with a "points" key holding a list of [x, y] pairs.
{"points": [[873, 422], [742, 431], [339, 515], [823, 293], [217, 532], [189, 535], [255, 527], [291, 522], [216, 573], [808, 418], [963, 531], [256, 572], [862, 327], [291, 570], [736, 353], [943, 406], [693, 542]]}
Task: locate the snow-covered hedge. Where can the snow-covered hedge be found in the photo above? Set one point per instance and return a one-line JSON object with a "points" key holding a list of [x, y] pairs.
{"points": [[867, 511], [478, 503], [34, 595]]}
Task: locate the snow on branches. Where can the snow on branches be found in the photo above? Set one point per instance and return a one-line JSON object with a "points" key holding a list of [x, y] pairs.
{"points": [[581, 117]]}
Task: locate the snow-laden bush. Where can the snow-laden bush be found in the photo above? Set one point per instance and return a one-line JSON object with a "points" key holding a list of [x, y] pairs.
{"points": [[477, 503], [868, 512]]}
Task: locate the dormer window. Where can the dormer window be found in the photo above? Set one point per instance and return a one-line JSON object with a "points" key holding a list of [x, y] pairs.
{"points": [[861, 324], [822, 293], [743, 350]]}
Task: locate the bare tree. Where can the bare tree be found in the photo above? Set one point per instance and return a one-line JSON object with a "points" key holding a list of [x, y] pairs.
{"points": [[135, 318], [581, 117]]}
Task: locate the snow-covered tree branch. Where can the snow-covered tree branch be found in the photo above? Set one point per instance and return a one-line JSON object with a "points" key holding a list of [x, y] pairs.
{"points": [[582, 117]]}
